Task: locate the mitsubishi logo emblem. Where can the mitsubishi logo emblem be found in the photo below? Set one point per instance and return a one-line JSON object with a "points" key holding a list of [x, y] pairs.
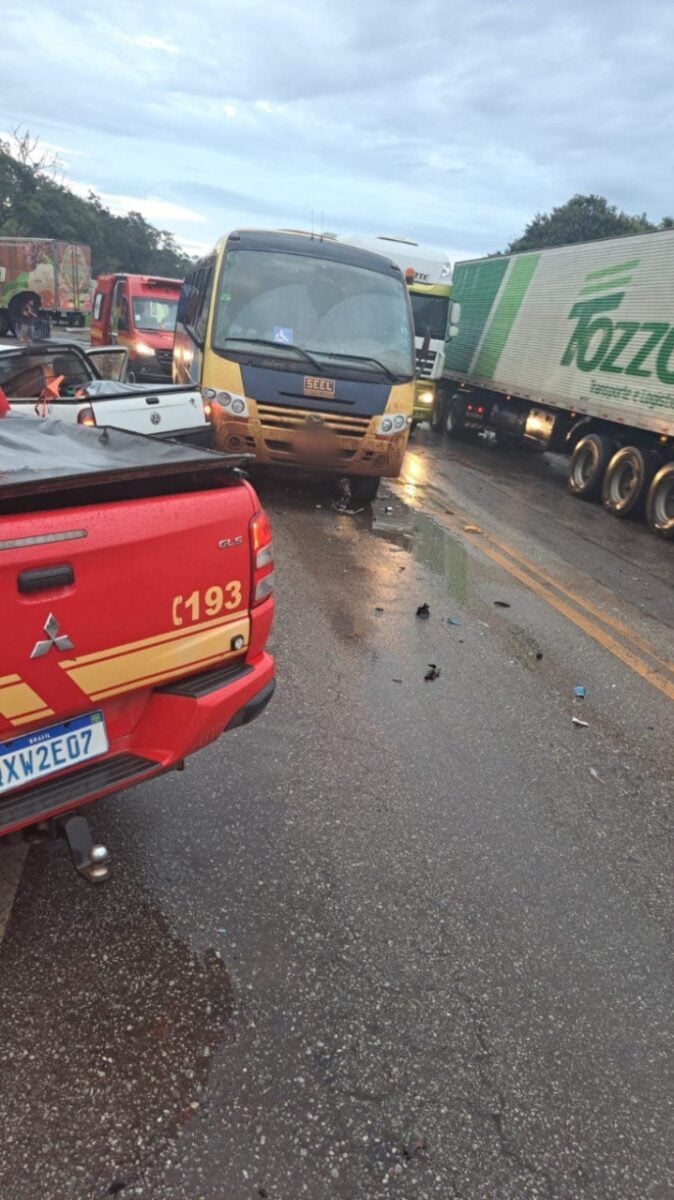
{"points": [[51, 628]]}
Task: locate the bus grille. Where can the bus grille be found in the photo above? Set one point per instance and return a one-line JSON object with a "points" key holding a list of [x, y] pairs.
{"points": [[273, 417]]}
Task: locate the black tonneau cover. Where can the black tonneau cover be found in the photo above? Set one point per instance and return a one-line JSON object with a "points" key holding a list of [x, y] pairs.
{"points": [[38, 457]]}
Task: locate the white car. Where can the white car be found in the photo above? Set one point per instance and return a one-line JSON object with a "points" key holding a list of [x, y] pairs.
{"points": [[84, 386]]}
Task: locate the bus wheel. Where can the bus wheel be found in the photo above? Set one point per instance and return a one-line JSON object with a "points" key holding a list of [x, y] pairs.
{"points": [[364, 488], [588, 464], [627, 479], [455, 419], [660, 503]]}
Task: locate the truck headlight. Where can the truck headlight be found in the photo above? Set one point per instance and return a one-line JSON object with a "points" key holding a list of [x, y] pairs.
{"points": [[144, 349], [425, 397]]}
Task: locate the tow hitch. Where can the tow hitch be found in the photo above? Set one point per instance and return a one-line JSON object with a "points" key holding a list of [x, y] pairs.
{"points": [[89, 858]]}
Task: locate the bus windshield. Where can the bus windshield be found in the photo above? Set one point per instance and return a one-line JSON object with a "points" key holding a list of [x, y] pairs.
{"points": [[430, 315], [328, 309]]}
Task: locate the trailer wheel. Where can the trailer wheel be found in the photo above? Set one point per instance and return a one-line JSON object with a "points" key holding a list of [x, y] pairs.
{"points": [[588, 464], [660, 503], [455, 418], [627, 479]]}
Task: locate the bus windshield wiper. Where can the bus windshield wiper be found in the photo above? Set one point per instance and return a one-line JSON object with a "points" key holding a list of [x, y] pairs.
{"points": [[361, 358], [278, 346]]}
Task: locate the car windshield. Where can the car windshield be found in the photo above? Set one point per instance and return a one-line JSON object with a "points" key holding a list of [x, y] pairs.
{"points": [[153, 315], [327, 308], [24, 375], [430, 315]]}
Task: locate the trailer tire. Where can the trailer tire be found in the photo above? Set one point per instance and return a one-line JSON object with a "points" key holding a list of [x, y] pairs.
{"points": [[660, 503], [588, 463], [455, 419], [627, 480]]}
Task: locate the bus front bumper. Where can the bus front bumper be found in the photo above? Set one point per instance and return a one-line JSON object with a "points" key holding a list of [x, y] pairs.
{"points": [[296, 440]]}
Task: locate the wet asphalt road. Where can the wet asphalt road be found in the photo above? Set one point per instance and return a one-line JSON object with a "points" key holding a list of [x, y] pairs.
{"points": [[398, 939]]}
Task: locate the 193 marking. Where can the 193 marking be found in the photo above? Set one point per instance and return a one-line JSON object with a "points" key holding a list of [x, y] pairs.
{"points": [[208, 603]]}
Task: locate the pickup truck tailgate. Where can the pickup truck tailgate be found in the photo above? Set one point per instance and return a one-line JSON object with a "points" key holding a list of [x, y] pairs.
{"points": [[165, 410], [112, 599]]}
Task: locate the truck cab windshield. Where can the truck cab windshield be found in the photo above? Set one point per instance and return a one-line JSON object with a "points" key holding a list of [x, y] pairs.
{"points": [[430, 315], [154, 315], [303, 301]]}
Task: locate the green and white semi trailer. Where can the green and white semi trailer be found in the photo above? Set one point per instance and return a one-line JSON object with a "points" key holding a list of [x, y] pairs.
{"points": [[572, 349]]}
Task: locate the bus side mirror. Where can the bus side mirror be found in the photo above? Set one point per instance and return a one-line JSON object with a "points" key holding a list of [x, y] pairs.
{"points": [[454, 312], [452, 331]]}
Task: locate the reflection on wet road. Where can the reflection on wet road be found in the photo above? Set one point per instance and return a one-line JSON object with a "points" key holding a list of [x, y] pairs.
{"points": [[400, 938]]}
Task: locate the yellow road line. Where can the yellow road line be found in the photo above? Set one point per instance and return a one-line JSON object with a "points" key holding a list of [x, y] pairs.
{"points": [[606, 618], [589, 627], [542, 583]]}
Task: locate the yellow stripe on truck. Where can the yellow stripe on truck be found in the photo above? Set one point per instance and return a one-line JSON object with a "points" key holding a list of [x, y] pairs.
{"points": [[154, 660], [19, 703]]}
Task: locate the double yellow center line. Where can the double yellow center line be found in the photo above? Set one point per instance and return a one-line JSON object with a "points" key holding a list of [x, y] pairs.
{"points": [[640, 655]]}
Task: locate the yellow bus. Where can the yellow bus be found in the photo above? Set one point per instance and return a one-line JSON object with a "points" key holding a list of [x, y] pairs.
{"points": [[304, 348]]}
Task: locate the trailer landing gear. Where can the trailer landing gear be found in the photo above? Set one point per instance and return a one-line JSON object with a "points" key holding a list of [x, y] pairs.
{"points": [[90, 859]]}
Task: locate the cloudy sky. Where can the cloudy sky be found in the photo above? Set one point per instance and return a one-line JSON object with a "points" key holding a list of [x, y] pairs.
{"points": [[450, 122]]}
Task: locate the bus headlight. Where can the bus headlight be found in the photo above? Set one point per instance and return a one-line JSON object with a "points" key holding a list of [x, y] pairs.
{"points": [[230, 403], [425, 397], [392, 423]]}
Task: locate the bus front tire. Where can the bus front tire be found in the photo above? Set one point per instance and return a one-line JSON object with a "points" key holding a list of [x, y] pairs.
{"points": [[364, 488]]}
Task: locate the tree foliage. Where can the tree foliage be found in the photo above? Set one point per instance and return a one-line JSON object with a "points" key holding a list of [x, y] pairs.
{"points": [[34, 203], [582, 219]]}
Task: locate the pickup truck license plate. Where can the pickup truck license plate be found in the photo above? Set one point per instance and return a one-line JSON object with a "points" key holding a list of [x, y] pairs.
{"points": [[47, 751]]}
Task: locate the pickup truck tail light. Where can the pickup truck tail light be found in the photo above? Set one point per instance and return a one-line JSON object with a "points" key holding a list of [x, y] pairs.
{"points": [[86, 417], [262, 558]]}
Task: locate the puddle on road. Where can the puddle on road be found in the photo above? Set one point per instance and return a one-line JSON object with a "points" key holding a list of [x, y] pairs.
{"points": [[429, 544]]}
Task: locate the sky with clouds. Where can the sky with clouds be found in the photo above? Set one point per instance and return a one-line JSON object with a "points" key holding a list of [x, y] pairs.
{"points": [[449, 122]]}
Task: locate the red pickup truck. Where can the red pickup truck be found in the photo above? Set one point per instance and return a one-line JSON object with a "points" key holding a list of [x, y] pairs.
{"points": [[136, 579]]}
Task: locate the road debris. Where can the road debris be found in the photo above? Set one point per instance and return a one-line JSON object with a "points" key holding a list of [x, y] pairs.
{"points": [[414, 1146], [472, 529], [389, 508], [539, 655], [581, 724], [117, 1186], [342, 507], [596, 775], [379, 609], [501, 604], [453, 621], [423, 612], [579, 692], [396, 681], [432, 673]]}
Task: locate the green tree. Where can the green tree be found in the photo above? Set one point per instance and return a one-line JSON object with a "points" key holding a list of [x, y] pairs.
{"points": [[581, 219], [35, 204]]}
